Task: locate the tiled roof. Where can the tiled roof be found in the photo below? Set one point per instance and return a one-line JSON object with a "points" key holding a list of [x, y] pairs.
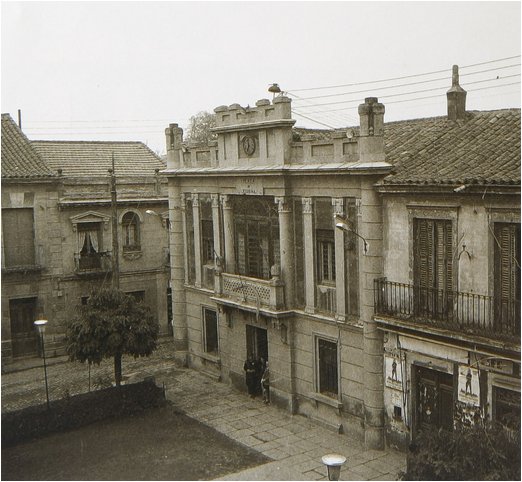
{"points": [[482, 149], [94, 158], [19, 158]]}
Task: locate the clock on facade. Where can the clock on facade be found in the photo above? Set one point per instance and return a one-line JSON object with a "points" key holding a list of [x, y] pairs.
{"points": [[249, 145]]}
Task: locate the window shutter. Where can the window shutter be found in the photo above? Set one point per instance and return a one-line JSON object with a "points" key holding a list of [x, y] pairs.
{"points": [[18, 236]]}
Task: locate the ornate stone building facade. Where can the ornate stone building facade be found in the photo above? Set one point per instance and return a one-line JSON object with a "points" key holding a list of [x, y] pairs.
{"points": [[342, 258]]}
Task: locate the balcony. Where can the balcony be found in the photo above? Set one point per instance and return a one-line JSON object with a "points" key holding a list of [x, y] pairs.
{"points": [[252, 293], [326, 300], [462, 313], [93, 264]]}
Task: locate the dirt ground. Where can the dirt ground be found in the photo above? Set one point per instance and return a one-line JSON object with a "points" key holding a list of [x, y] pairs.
{"points": [[159, 444]]}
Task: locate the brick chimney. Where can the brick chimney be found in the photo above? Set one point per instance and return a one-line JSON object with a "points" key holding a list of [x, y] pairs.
{"points": [[371, 135], [174, 138], [456, 98]]}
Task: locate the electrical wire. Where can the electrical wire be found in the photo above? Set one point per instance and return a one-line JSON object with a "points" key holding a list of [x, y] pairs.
{"points": [[403, 77], [387, 96], [400, 85]]}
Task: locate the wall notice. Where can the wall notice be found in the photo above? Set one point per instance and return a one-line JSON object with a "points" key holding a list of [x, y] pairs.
{"points": [[393, 371], [469, 388]]}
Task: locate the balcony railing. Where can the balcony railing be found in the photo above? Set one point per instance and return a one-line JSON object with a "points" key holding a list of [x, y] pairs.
{"points": [[450, 310], [326, 299], [254, 291], [93, 263]]}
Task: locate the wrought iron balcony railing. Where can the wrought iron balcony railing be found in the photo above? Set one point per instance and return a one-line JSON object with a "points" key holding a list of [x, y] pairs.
{"points": [[93, 263], [326, 299], [449, 310]]}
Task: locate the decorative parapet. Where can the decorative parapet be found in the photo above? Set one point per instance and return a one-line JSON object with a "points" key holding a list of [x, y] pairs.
{"points": [[253, 291]]}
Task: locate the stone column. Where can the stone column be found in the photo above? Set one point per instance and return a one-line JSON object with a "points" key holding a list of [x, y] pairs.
{"points": [[309, 254], [197, 238], [228, 230], [340, 282], [184, 245], [218, 255], [178, 269], [286, 248], [371, 267]]}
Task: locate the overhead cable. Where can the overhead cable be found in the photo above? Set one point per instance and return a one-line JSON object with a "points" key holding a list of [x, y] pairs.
{"points": [[403, 77]]}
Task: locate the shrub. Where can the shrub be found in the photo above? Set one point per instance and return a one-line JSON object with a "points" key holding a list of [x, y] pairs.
{"points": [[482, 452], [79, 410]]}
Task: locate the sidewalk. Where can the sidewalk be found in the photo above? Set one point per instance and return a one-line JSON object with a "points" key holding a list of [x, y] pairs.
{"points": [[295, 444]]}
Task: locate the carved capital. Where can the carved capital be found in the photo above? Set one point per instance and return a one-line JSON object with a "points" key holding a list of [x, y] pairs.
{"points": [[195, 200], [215, 200], [307, 205], [338, 205], [226, 202], [283, 204]]}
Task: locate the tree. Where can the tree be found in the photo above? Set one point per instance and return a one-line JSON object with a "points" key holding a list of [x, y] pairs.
{"points": [[110, 325], [485, 451], [199, 129]]}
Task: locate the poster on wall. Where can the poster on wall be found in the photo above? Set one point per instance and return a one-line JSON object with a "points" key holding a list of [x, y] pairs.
{"points": [[393, 371], [469, 388]]}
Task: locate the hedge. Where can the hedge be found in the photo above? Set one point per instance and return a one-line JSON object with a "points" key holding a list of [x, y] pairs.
{"points": [[79, 410]]}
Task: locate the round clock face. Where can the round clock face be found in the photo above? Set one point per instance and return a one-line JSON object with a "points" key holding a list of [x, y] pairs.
{"points": [[249, 145]]}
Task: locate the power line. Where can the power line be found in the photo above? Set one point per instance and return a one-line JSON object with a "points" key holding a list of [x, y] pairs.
{"points": [[420, 98], [403, 77], [413, 92], [401, 85]]}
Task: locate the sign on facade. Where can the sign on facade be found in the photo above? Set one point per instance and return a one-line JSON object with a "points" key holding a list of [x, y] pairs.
{"points": [[393, 368], [250, 185], [469, 388]]}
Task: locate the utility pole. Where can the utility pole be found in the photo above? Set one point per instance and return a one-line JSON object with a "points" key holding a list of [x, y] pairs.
{"points": [[114, 214]]}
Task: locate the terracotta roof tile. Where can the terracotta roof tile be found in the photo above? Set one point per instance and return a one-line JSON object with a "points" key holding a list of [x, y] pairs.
{"points": [[19, 158], [94, 158], [483, 148]]}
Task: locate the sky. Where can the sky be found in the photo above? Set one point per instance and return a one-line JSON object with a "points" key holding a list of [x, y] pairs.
{"points": [[125, 70]]}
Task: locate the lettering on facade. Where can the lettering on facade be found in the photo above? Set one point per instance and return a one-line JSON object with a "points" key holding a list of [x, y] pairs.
{"points": [[469, 388], [250, 185]]}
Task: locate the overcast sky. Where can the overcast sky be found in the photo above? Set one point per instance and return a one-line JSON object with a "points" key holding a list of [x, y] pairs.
{"points": [[125, 70]]}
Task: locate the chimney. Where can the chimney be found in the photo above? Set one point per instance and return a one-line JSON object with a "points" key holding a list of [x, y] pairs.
{"points": [[174, 138], [371, 135], [456, 97]]}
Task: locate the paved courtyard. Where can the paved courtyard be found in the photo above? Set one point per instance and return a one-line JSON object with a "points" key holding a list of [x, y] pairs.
{"points": [[293, 442]]}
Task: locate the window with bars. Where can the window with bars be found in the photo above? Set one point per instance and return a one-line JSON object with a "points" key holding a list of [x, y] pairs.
{"points": [[18, 237], [131, 231], [433, 266], [327, 369], [507, 275], [210, 331]]}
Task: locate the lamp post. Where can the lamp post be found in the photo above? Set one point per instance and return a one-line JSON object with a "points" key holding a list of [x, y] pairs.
{"points": [[40, 326], [333, 464]]}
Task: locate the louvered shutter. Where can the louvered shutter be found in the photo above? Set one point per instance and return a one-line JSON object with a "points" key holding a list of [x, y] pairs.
{"points": [[507, 275]]}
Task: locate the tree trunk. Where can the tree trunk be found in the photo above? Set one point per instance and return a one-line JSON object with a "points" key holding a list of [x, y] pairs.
{"points": [[117, 369]]}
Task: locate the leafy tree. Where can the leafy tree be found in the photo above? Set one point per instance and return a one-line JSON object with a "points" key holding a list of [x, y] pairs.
{"points": [[199, 129], [110, 325], [484, 451]]}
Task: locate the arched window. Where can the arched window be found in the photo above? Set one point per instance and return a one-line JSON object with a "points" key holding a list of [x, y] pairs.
{"points": [[131, 231]]}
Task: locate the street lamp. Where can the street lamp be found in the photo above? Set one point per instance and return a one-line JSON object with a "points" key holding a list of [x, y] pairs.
{"points": [[342, 224], [333, 464], [40, 326]]}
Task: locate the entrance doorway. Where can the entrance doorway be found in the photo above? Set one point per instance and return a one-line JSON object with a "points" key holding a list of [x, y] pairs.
{"points": [[257, 342], [24, 339], [434, 399]]}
